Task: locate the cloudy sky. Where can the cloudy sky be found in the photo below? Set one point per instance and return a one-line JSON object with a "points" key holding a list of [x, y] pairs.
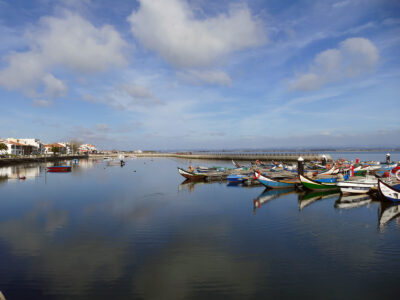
{"points": [[190, 74]]}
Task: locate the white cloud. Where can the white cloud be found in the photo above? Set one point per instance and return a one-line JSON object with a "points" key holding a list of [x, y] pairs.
{"points": [[353, 57], [206, 76], [170, 28], [54, 88], [69, 42], [41, 103]]}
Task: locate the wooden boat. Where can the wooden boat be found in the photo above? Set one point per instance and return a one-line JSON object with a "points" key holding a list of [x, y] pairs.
{"points": [[274, 183], [315, 185], [361, 186], [190, 175], [388, 192], [236, 178], [352, 201], [59, 169]]}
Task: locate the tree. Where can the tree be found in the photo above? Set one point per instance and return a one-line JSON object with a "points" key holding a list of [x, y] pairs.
{"points": [[55, 150], [75, 146], [3, 147]]}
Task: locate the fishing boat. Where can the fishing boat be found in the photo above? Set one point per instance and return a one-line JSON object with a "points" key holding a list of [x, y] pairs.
{"points": [[352, 201], [361, 186], [315, 185], [236, 178], [388, 192], [59, 169], [191, 175], [275, 183]]}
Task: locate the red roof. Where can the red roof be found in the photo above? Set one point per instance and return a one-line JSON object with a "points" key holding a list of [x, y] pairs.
{"points": [[54, 145]]}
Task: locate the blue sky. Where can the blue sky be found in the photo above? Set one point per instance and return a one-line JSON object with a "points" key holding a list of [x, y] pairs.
{"points": [[191, 74]]}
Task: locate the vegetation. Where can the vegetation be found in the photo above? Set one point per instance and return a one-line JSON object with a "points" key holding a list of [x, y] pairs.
{"points": [[3, 146], [55, 150], [75, 146]]}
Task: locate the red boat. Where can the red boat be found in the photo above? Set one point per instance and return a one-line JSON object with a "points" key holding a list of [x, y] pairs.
{"points": [[58, 169]]}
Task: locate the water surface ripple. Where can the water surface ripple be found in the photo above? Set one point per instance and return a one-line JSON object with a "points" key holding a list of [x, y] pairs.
{"points": [[139, 232]]}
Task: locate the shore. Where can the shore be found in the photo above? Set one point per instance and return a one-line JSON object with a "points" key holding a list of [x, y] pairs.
{"points": [[33, 159]]}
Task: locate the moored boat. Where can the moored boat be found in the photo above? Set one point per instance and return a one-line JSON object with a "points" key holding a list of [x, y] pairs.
{"points": [[236, 178], [59, 169], [275, 183], [191, 175], [388, 192], [361, 186], [315, 185]]}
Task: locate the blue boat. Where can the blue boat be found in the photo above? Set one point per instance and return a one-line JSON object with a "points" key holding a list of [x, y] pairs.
{"points": [[234, 178], [275, 183], [331, 179]]}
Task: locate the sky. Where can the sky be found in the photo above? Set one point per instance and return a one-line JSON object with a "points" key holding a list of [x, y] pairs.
{"points": [[201, 74]]}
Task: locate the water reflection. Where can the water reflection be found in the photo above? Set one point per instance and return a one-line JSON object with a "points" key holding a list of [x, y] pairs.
{"points": [[307, 198], [127, 233], [388, 212], [34, 170], [269, 194], [352, 201]]}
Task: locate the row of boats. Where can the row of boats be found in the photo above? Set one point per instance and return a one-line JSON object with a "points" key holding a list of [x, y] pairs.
{"points": [[343, 176]]}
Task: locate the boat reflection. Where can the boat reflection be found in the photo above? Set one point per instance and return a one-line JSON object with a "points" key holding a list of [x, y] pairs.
{"points": [[309, 197], [352, 201], [269, 194], [190, 184], [387, 212]]}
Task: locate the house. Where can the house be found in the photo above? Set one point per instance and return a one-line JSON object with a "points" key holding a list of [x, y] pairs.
{"points": [[61, 148], [24, 146], [87, 148], [14, 148]]}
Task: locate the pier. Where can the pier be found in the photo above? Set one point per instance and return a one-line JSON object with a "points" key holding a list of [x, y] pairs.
{"points": [[41, 158], [264, 156]]}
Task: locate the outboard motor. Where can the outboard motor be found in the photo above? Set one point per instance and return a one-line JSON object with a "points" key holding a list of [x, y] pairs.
{"points": [[388, 158], [300, 166]]}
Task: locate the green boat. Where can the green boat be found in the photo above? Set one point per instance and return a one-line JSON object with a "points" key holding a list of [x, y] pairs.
{"points": [[314, 185]]}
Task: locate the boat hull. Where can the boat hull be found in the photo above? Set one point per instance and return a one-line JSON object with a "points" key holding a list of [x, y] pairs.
{"points": [[314, 185], [274, 184], [388, 192], [60, 169], [191, 176]]}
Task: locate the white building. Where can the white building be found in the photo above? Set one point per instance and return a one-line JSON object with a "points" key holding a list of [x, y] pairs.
{"points": [[87, 148], [24, 146]]}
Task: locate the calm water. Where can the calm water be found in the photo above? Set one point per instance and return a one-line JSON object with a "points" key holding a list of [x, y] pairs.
{"points": [[137, 232]]}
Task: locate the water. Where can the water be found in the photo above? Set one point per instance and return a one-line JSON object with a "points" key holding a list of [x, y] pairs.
{"points": [[137, 232]]}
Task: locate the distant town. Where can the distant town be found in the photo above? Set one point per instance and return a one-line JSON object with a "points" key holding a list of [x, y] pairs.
{"points": [[20, 147]]}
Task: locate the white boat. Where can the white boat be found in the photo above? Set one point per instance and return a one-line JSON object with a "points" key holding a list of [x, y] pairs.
{"points": [[358, 186]]}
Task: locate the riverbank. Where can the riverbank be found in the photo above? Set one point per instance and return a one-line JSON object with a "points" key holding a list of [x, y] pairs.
{"points": [[33, 159], [289, 157]]}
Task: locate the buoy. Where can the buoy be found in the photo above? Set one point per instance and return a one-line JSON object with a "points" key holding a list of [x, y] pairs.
{"points": [[256, 174]]}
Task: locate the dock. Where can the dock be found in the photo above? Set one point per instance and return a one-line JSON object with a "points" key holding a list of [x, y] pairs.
{"points": [[252, 156]]}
